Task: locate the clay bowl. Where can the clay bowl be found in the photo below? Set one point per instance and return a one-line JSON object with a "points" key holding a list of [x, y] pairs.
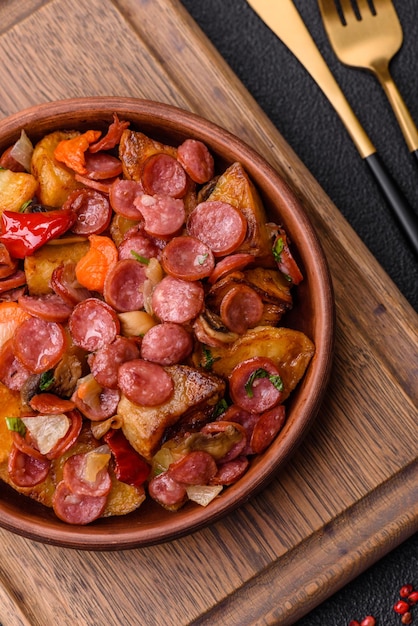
{"points": [[313, 313]]}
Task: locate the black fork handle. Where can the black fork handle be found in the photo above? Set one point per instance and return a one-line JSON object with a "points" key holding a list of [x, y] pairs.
{"points": [[405, 214]]}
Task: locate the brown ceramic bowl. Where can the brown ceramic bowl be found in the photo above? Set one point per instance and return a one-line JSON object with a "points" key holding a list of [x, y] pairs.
{"points": [[313, 313]]}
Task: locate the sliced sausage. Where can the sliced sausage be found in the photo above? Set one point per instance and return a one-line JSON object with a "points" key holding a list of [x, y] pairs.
{"points": [[104, 364], [163, 174], [39, 344], [241, 308], [50, 307], [16, 279], [166, 344], [99, 185], [187, 258], [76, 509], [196, 160], [92, 209], [164, 216], [122, 195], [248, 420], [123, 288], [26, 471], [139, 244], [228, 473], [74, 477], [65, 284], [94, 401], [195, 468], [93, 324], [145, 383], [219, 225], [176, 300], [232, 263], [70, 437], [13, 374], [266, 428], [101, 166], [255, 385], [8, 266], [167, 491]]}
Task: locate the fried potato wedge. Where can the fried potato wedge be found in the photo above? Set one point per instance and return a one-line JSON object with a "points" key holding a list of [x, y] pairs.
{"points": [[16, 188], [290, 350], [56, 180], [135, 148], [40, 265], [144, 426]]}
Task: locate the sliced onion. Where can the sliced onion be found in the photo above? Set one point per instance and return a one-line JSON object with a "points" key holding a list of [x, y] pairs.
{"points": [[47, 430], [96, 460], [22, 151], [203, 494]]}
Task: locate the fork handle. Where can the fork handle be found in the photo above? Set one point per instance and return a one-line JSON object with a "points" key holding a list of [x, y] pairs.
{"points": [[404, 117], [407, 218]]}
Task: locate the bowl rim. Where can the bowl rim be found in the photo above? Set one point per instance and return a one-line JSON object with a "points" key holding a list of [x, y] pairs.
{"points": [[98, 536]]}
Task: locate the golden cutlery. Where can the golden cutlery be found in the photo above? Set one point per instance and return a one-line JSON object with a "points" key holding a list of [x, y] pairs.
{"points": [[365, 39], [285, 21]]}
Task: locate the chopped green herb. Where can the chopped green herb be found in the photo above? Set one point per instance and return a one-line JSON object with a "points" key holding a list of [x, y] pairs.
{"points": [[220, 408], [209, 360], [278, 249], [275, 380], [25, 206], [16, 425], [202, 258], [138, 257], [46, 380]]}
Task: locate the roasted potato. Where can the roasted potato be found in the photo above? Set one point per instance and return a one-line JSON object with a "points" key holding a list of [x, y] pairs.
{"points": [[16, 188], [41, 264], [290, 350], [56, 180]]}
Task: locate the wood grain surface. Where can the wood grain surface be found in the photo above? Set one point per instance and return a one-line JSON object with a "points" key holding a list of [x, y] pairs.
{"points": [[350, 493]]}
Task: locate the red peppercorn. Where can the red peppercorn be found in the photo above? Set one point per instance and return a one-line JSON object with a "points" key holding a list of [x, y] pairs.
{"points": [[406, 618], [369, 620], [413, 597], [401, 607], [354, 622], [405, 591]]}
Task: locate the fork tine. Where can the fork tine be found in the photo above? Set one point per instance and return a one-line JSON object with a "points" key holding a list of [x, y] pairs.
{"points": [[347, 10], [364, 9]]}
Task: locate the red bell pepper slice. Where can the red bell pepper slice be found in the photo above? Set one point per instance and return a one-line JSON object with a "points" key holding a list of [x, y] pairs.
{"points": [[24, 233], [130, 467]]}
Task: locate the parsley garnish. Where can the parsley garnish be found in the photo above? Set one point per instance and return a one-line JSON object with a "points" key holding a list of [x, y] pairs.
{"points": [[16, 425], [202, 258], [46, 380], [220, 408], [278, 249], [209, 359], [275, 380], [138, 257]]}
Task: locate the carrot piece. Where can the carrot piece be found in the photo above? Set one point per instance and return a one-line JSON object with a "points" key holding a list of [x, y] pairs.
{"points": [[71, 152], [11, 316], [92, 269]]}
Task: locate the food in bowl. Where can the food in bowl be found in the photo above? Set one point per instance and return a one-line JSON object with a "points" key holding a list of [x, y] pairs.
{"points": [[141, 348]]}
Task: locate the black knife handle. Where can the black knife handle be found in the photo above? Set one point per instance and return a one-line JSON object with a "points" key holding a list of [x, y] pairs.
{"points": [[415, 153], [407, 218]]}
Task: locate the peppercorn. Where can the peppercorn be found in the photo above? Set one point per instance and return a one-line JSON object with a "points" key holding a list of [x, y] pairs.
{"points": [[407, 618], [369, 620], [413, 597], [401, 607], [405, 591]]}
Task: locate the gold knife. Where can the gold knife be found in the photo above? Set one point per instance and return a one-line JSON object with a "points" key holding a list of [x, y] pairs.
{"points": [[286, 22]]}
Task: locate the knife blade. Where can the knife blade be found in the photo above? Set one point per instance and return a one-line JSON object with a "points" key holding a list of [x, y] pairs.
{"points": [[283, 18]]}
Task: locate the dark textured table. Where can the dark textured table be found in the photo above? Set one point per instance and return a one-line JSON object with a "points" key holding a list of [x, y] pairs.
{"points": [[307, 121]]}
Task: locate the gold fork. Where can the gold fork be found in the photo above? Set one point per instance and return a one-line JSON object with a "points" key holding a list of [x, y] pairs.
{"points": [[367, 34]]}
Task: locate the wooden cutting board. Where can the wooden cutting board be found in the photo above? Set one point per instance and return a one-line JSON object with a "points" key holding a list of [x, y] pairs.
{"points": [[350, 493]]}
